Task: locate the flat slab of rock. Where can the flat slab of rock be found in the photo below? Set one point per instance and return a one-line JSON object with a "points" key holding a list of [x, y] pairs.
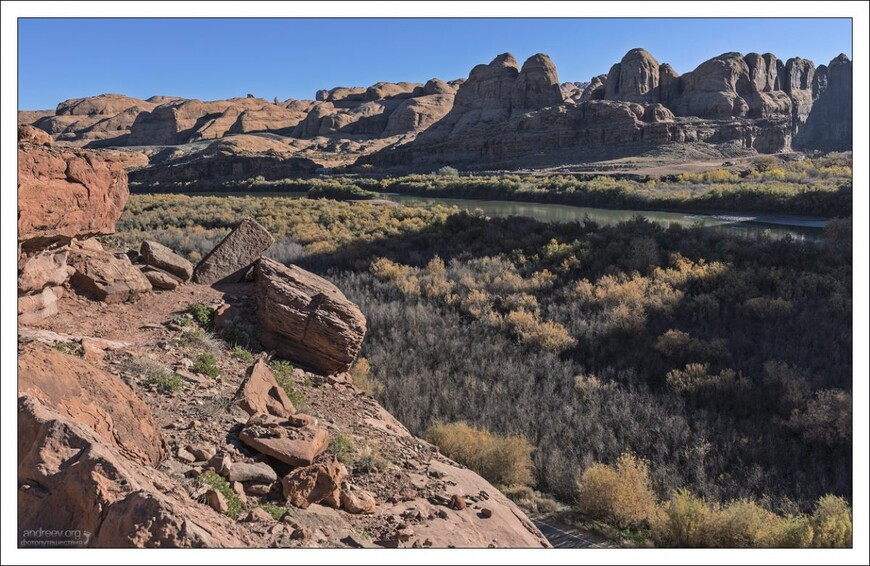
{"points": [[160, 279], [306, 318], [228, 261], [157, 255], [257, 472], [103, 276], [296, 446], [260, 393]]}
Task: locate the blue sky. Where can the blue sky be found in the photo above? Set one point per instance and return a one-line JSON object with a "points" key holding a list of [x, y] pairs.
{"points": [[287, 58]]}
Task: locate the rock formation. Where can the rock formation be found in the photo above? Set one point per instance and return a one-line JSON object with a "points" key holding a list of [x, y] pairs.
{"points": [[105, 276], [260, 393], [283, 440], [829, 124], [232, 257], [634, 79], [537, 85], [159, 256], [306, 318], [497, 117]]}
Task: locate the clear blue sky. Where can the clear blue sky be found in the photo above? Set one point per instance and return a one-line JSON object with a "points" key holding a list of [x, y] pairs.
{"points": [[211, 59]]}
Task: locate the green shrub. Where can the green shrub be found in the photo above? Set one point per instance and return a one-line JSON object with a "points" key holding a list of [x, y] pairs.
{"points": [[71, 348], [242, 354], [620, 493], [216, 482], [370, 461], [166, 382], [341, 447], [503, 460], [360, 373], [276, 511], [201, 314], [283, 372], [206, 365], [681, 520], [236, 334], [341, 192], [200, 339]]}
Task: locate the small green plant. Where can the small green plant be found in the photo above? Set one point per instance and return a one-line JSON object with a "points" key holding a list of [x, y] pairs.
{"points": [[283, 372], [276, 511], [71, 348], [206, 365], [242, 354], [342, 448], [370, 461], [166, 382], [181, 321], [201, 314], [216, 482]]}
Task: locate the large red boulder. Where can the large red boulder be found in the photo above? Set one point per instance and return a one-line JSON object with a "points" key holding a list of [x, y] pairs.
{"points": [[66, 193]]}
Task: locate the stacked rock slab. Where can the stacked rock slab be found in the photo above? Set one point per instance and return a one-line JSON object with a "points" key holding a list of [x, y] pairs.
{"points": [[104, 276], [163, 268], [282, 440], [230, 259], [306, 318]]}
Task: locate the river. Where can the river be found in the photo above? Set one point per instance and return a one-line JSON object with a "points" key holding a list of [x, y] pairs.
{"points": [[740, 224]]}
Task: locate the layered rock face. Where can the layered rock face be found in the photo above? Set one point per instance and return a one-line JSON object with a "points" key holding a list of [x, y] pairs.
{"points": [[634, 79], [187, 121], [232, 257], [306, 318], [235, 157], [84, 393], [65, 195], [829, 124], [492, 119], [379, 111]]}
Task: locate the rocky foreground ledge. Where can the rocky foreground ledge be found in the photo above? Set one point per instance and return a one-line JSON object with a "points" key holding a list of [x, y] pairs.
{"points": [[127, 439]]}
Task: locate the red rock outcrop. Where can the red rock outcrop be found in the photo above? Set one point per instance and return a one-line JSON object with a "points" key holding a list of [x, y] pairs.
{"points": [[66, 193], [537, 85], [72, 479], [93, 398], [260, 393], [634, 79], [104, 276]]}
